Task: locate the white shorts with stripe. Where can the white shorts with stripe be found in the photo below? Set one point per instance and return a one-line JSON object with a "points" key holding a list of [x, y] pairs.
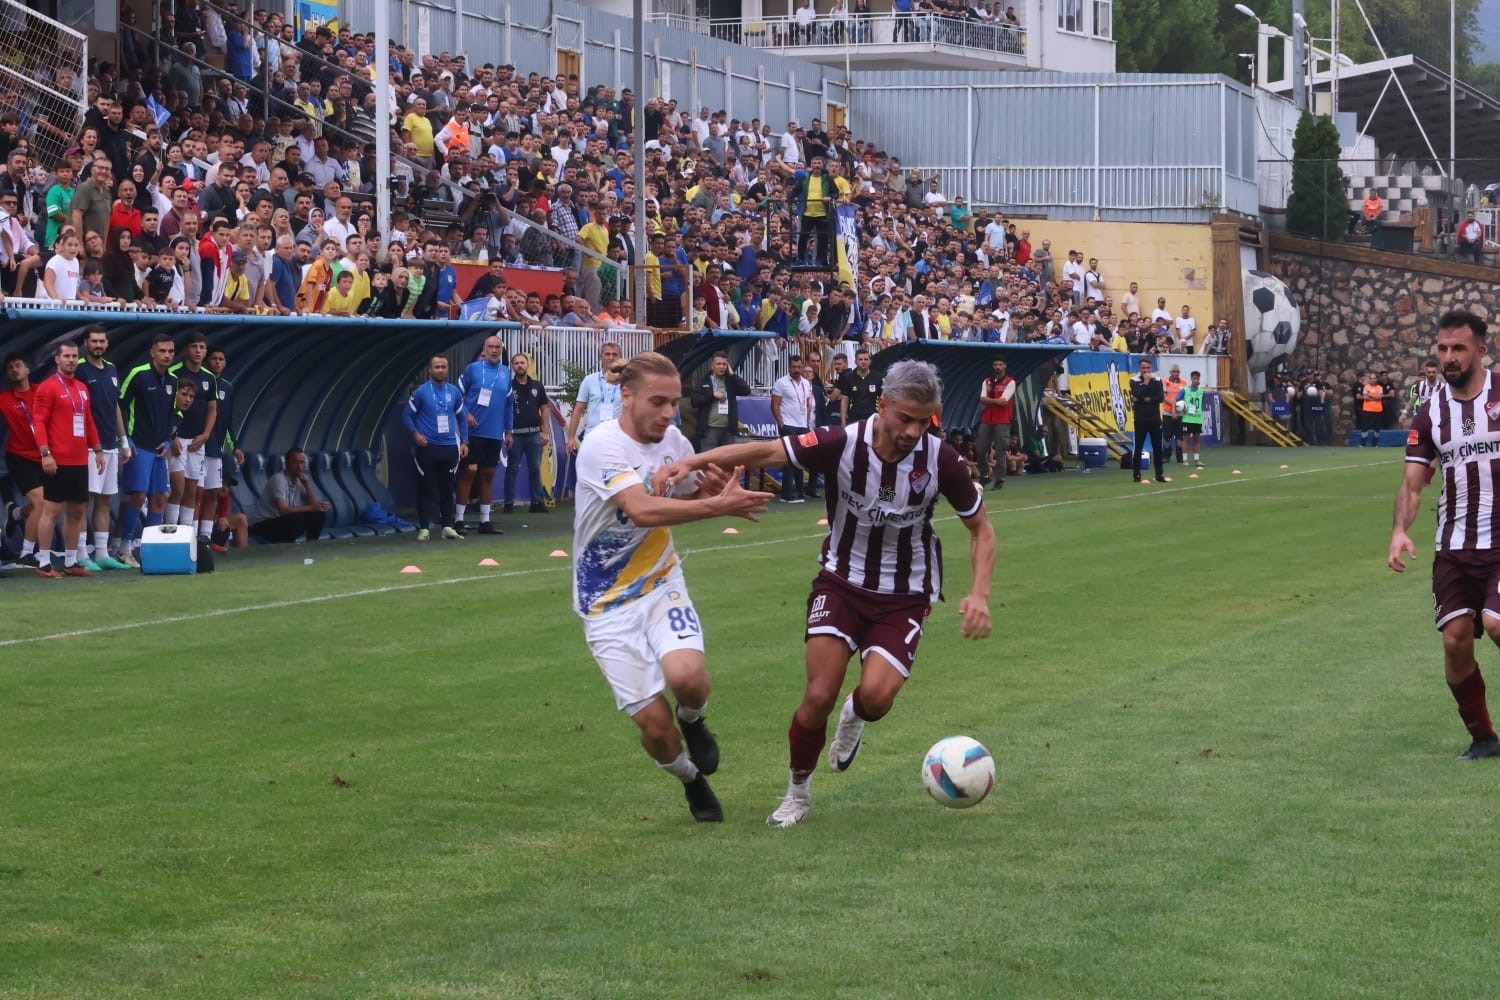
{"points": [[629, 643], [189, 463]]}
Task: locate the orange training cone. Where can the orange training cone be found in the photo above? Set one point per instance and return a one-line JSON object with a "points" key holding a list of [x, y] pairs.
{"points": [[410, 569]]}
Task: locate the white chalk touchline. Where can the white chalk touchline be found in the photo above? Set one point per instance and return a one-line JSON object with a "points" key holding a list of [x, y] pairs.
{"points": [[395, 587]]}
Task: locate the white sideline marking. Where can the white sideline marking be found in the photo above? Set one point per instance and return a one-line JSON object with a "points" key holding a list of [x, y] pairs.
{"points": [[397, 587]]}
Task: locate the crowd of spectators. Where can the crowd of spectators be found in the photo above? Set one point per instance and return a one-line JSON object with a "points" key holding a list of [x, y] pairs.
{"points": [[187, 188], [976, 24]]}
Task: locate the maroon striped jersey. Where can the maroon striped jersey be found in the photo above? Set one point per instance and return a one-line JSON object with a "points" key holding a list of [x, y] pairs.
{"points": [[880, 535], [1464, 436]]}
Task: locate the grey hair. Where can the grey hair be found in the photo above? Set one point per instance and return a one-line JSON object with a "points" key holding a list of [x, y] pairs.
{"points": [[913, 381]]}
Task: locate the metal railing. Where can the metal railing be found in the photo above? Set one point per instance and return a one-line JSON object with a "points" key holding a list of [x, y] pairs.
{"points": [[858, 31], [554, 349]]}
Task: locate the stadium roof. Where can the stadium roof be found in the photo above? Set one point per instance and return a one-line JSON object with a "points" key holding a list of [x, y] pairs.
{"points": [[1394, 127]]}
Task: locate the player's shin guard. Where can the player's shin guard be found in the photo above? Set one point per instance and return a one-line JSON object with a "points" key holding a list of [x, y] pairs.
{"points": [[805, 744], [1469, 693]]}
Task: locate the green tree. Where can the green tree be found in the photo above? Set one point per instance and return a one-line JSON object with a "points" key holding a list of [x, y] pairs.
{"points": [[1486, 78], [1170, 36], [1318, 206], [1203, 36]]}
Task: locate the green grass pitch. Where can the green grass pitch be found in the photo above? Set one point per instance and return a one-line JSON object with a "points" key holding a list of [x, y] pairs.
{"points": [[1225, 768]]}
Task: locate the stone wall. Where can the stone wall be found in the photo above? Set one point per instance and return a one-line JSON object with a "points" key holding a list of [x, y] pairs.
{"points": [[1366, 310]]}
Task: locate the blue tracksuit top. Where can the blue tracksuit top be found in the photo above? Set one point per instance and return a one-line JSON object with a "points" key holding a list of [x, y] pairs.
{"points": [[486, 389], [437, 412]]}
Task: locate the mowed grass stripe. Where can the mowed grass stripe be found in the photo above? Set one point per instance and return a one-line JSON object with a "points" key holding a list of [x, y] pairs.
{"points": [[499, 834], [205, 590]]}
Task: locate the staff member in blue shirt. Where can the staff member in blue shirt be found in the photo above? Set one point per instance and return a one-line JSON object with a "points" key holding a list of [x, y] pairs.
{"points": [[436, 418], [598, 400], [486, 388]]}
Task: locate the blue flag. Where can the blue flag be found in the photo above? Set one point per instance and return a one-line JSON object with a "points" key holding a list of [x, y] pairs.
{"points": [[158, 112], [474, 308]]}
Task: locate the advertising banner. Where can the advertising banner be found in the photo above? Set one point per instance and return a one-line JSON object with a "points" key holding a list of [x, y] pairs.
{"points": [[1099, 382], [313, 13]]}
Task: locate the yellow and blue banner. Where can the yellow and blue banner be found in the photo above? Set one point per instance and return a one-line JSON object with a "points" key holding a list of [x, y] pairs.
{"points": [[1099, 384], [846, 242]]}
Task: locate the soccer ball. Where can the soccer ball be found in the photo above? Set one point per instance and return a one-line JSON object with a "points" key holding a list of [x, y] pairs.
{"points": [[1272, 322], [959, 772], [1180, 406]]}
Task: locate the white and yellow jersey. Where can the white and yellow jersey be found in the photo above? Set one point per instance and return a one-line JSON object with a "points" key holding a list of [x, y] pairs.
{"points": [[614, 561]]}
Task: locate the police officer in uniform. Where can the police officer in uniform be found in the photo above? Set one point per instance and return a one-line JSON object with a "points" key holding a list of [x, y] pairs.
{"points": [[528, 433], [859, 389]]}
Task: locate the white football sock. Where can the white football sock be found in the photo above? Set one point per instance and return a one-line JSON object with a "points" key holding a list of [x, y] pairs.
{"points": [[682, 768], [458, 512], [44, 557], [27, 547], [205, 527], [81, 550], [70, 558], [187, 516], [484, 513], [171, 514], [801, 789], [690, 714], [101, 544]]}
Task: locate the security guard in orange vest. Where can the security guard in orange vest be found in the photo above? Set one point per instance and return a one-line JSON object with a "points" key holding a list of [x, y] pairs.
{"points": [[1371, 409], [454, 136], [1171, 420]]}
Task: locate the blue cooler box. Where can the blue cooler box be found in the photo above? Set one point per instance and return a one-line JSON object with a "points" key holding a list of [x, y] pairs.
{"points": [[169, 549], [1094, 452]]}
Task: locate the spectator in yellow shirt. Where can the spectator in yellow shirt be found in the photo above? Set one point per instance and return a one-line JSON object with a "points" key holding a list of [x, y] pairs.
{"points": [[236, 297], [419, 129], [341, 301], [595, 236]]}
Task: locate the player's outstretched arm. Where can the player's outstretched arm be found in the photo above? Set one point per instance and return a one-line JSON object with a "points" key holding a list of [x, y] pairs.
{"points": [[648, 511], [753, 455], [1408, 502], [974, 609]]}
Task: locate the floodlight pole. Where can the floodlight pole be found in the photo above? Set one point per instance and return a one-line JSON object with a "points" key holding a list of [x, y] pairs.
{"points": [[1299, 55], [638, 163], [1452, 87], [383, 173], [1333, 85]]}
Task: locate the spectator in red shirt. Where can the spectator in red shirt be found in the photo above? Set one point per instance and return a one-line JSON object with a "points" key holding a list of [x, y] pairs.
{"points": [[21, 456], [63, 424], [124, 214], [1023, 248]]}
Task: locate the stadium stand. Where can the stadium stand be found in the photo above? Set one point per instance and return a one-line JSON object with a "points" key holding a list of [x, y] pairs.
{"points": [[227, 177]]}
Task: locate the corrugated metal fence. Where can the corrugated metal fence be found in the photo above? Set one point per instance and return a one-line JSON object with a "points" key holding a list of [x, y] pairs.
{"points": [[1114, 146]]}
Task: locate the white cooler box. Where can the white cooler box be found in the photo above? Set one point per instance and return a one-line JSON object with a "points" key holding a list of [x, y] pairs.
{"points": [[168, 549]]}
